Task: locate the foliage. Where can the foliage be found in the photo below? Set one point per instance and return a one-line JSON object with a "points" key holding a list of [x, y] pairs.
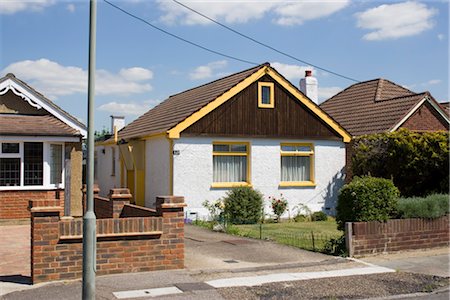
{"points": [[366, 199], [319, 216], [215, 209], [432, 206], [101, 135], [303, 213], [418, 163], [243, 205], [278, 206], [336, 246]]}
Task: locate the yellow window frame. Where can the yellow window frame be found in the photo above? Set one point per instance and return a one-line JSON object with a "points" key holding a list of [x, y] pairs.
{"points": [[309, 183], [271, 87], [246, 154]]}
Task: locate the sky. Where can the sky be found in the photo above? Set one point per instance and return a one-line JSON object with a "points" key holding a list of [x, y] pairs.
{"points": [[45, 43]]}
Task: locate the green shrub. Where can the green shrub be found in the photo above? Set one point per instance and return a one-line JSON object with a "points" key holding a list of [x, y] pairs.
{"points": [[301, 218], [366, 199], [418, 163], [336, 246], [319, 216], [243, 205], [432, 206]]}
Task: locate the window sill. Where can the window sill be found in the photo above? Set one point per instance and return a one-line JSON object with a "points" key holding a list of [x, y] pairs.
{"points": [[229, 184], [31, 188], [297, 184]]}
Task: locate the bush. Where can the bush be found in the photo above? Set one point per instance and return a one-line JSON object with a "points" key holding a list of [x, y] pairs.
{"points": [[336, 246], [432, 206], [243, 205], [319, 216], [418, 163], [366, 199], [279, 206]]}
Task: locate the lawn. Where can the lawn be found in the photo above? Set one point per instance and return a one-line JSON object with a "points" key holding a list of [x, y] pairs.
{"points": [[305, 235]]}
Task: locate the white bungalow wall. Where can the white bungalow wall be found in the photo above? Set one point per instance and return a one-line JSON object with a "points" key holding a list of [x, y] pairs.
{"points": [[157, 170], [103, 169], [193, 173]]}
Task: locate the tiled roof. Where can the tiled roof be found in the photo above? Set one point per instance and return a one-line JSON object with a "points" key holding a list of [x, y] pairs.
{"points": [[371, 106], [445, 107], [47, 125], [180, 106]]}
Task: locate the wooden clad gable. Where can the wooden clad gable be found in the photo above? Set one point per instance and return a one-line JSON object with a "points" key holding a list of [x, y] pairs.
{"points": [[241, 116]]}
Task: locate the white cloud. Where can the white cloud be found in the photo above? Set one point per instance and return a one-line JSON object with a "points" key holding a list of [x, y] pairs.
{"points": [[9, 7], [432, 82], [208, 71], [328, 92], [131, 109], [283, 13], [292, 72], [71, 7], [53, 79], [393, 21]]}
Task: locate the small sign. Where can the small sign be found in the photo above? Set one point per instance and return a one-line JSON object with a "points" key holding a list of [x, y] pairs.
{"points": [[176, 152]]}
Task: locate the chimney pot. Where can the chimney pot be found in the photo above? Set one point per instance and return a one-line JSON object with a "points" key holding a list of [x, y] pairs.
{"points": [[308, 73]]}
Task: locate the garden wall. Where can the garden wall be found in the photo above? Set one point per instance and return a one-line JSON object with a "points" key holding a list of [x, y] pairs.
{"points": [[364, 238], [124, 244]]}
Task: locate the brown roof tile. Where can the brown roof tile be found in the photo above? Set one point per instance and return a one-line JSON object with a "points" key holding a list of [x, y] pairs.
{"points": [[47, 125], [180, 106], [371, 106]]}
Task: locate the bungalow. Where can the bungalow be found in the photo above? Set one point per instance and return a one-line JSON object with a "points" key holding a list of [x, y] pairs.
{"points": [[381, 105], [252, 128], [40, 151]]}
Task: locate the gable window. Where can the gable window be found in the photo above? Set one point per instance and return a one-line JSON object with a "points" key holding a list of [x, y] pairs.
{"points": [[230, 164], [266, 97], [297, 164]]}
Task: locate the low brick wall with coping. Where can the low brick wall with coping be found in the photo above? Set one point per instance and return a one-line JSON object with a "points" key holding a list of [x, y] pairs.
{"points": [[366, 238], [125, 242]]}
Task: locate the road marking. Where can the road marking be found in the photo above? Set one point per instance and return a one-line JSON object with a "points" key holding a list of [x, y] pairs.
{"points": [[148, 292], [262, 279]]}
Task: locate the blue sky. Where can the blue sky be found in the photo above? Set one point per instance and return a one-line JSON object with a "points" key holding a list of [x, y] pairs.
{"points": [[45, 43]]}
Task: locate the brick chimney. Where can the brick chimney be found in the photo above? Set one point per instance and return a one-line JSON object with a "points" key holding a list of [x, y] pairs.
{"points": [[309, 86]]}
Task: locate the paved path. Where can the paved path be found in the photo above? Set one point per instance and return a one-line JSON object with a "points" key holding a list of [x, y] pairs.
{"points": [[15, 250]]}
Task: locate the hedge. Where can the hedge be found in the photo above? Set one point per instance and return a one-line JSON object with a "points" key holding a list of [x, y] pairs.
{"points": [[432, 206], [418, 163]]}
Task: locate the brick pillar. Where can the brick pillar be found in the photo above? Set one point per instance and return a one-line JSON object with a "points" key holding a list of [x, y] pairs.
{"points": [[83, 190], [45, 215], [118, 198], [171, 209]]}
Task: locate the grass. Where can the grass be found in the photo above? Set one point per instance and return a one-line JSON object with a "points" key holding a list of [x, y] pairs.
{"points": [[305, 235]]}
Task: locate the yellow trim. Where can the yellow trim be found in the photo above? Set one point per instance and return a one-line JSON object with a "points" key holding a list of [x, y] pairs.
{"points": [[174, 133], [122, 177], [296, 183], [246, 154], [271, 86], [170, 167], [229, 184], [311, 181], [104, 143]]}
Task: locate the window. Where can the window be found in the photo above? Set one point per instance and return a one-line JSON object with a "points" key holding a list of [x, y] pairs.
{"points": [[266, 98], [56, 163], [8, 148], [9, 171], [230, 164], [297, 165], [33, 163]]}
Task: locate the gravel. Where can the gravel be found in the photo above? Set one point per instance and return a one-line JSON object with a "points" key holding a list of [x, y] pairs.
{"points": [[350, 287]]}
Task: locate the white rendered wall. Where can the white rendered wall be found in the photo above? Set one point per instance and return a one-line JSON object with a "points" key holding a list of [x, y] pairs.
{"points": [[104, 174], [157, 170], [193, 173]]}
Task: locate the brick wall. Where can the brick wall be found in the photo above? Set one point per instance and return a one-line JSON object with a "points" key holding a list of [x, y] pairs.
{"points": [[396, 235], [14, 204], [129, 244], [426, 119]]}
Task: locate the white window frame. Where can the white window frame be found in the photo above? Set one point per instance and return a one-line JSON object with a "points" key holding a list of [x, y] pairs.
{"points": [[46, 164]]}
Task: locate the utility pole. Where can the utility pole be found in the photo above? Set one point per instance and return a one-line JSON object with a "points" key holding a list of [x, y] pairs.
{"points": [[89, 220]]}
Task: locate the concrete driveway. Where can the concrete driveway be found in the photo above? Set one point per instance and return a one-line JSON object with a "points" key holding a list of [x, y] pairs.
{"points": [[14, 251], [205, 250]]}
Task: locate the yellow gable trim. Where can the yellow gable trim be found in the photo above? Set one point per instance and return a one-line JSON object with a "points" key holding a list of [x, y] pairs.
{"points": [[174, 133]]}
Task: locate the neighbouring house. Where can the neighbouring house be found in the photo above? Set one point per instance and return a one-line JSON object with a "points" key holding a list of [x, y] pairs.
{"points": [[380, 105], [252, 128], [40, 151]]}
